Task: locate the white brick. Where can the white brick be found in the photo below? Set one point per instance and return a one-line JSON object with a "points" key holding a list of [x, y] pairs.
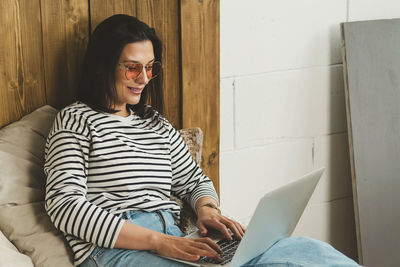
{"points": [[246, 175], [260, 36], [226, 115], [289, 104], [373, 9], [332, 222], [332, 152]]}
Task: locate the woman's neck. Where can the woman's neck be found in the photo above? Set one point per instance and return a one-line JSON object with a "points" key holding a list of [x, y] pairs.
{"points": [[123, 111]]}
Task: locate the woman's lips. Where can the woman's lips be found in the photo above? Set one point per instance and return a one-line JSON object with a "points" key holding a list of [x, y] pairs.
{"points": [[136, 91]]}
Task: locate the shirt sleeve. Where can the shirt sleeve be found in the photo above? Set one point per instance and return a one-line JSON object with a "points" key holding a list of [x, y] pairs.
{"points": [[66, 161], [188, 180]]}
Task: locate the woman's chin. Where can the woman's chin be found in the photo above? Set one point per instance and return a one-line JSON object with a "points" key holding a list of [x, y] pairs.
{"points": [[134, 101]]}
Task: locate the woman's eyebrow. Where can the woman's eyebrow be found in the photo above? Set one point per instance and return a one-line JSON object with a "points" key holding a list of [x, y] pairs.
{"points": [[134, 61]]}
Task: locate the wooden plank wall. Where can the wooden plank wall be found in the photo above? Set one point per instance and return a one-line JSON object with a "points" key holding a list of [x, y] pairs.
{"points": [[200, 66], [22, 86], [65, 31], [43, 43], [164, 17]]}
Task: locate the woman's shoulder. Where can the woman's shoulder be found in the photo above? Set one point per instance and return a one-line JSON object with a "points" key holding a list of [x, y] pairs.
{"points": [[72, 117], [77, 108], [159, 118]]}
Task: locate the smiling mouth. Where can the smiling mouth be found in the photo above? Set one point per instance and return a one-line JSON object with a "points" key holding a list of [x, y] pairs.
{"points": [[136, 91]]}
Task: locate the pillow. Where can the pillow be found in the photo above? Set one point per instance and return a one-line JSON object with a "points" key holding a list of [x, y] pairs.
{"points": [[23, 219], [9, 255], [193, 138]]}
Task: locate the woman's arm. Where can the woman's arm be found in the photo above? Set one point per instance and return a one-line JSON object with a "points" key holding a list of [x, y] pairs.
{"points": [[190, 183], [188, 180], [66, 162], [66, 204], [209, 217], [136, 237]]}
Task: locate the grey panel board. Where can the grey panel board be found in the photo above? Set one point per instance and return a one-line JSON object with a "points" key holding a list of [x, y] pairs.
{"points": [[372, 52]]}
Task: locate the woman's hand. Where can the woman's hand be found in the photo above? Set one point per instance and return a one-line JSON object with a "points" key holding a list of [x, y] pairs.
{"points": [[210, 218], [133, 236], [187, 248]]}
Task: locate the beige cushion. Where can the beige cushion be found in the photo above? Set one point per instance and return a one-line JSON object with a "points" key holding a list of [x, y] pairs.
{"points": [[23, 219], [193, 138], [10, 256]]}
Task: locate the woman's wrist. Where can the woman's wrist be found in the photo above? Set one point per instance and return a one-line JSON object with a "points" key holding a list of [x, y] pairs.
{"points": [[136, 237], [206, 201], [209, 205], [154, 240]]}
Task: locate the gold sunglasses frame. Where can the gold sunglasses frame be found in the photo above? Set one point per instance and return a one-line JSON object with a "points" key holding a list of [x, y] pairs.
{"points": [[121, 65]]}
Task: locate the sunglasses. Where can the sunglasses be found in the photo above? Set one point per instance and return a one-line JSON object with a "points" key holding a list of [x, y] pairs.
{"points": [[133, 70]]}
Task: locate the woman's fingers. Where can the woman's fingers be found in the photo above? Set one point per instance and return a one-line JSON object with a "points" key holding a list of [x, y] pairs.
{"points": [[187, 249], [240, 228], [190, 249], [243, 229], [231, 224], [204, 247], [183, 255], [222, 229], [224, 223], [208, 218], [237, 229], [211, 244], [202, 229], [195, 249]]}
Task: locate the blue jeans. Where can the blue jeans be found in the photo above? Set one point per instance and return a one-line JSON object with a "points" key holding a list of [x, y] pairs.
{"points": [[294, 251]]}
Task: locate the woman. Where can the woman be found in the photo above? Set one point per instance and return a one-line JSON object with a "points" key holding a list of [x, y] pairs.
{"points": [[113, 162]]}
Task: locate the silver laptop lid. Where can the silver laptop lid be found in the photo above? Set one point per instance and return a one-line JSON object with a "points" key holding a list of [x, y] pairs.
{"points": [[275, 217]]}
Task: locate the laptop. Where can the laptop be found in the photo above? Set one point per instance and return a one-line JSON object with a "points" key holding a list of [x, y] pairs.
{"points": [[275, 218]]}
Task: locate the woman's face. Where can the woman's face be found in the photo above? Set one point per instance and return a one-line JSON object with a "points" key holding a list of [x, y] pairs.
{"points": [[129, 91]]}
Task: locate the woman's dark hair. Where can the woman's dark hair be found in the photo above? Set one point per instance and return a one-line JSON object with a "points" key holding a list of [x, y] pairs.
{"points": [[96, 86]]}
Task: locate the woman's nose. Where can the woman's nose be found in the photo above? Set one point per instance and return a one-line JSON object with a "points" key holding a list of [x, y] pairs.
{"points": [[142, 78]]}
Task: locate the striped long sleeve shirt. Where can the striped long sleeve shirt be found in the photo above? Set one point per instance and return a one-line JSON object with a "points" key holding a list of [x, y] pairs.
{"points": [[99, 165]]}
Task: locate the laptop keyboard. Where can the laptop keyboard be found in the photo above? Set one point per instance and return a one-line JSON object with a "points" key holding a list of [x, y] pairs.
{"points": [[228, 248]]}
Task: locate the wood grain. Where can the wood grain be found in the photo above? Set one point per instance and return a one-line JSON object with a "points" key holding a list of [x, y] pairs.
{"points": [[200, 77], [102, 9], [21, 66], [65, 35], [44, 42], [163, 15]]}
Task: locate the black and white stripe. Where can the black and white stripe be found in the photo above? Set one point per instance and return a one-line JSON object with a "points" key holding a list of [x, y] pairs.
{"points": [[99, 165]]}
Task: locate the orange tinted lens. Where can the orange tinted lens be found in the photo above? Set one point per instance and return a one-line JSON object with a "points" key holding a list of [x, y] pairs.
{"points": [[133, 71], [153, 70], [149, 71]]}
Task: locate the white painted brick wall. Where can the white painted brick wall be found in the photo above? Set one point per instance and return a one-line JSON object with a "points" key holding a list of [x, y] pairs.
{"points": [[259, 36], [332, 222], [373, 9], [332, 151], [254, 171], [289, 104], [226, 117], [283, 109]]}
